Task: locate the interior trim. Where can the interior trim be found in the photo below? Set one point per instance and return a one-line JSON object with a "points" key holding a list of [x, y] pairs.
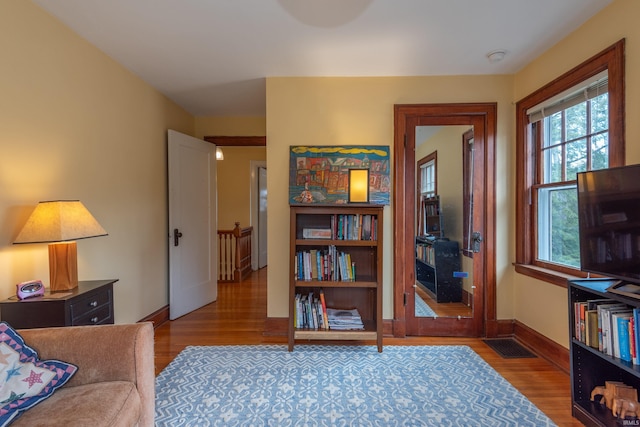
{"points": [[237, 141]]}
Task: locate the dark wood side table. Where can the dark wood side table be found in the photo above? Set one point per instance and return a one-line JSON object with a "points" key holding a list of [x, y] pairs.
{"points": [[91, 303]]}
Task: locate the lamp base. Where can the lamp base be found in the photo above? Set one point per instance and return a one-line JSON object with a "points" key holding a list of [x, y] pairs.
{"points": [[63, 266]]}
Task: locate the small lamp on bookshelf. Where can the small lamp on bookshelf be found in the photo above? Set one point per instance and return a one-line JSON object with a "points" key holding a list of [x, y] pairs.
{"points": [[358, 185]]}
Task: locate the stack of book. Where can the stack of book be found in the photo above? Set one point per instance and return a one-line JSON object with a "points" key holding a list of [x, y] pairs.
{"points": [[344, 319], [609, 326]]}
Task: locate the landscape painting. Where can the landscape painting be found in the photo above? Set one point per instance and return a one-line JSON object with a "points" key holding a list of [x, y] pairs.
{"points": [[320, 174]]}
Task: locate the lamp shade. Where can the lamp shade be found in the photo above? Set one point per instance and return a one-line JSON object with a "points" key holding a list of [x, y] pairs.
{"points": [[358, 185], [59, 221]]}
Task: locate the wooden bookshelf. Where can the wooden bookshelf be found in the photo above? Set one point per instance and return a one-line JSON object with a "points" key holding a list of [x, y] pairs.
{"points": [[430, 220], [316, 264]]}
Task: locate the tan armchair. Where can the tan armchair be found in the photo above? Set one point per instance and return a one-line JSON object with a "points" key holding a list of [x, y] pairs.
{"points": [[115, 381]]}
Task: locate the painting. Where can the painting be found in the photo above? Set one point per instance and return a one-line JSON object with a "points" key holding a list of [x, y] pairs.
{"points": [[319, 175]]}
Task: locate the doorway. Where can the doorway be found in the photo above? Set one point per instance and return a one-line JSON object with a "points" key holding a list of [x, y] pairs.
{"points": [[259, 214], [479, 291]]}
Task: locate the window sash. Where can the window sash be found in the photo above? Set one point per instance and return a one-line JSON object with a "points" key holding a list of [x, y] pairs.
{"points": [[584, 91]]}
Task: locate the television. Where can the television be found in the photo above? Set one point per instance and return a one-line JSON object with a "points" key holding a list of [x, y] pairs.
{"points": [[609, 222]]}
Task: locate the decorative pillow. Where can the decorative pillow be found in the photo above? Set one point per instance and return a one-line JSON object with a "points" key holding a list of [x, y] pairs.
{"points": [[24, 380]]}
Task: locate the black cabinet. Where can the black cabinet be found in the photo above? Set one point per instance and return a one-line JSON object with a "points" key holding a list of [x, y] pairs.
{"points": [[91, 303], [590, 366], [437, 261]]}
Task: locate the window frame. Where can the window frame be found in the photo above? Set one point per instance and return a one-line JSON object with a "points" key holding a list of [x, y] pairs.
{"points": [[431, 157], [610, 59], [467, 188]]}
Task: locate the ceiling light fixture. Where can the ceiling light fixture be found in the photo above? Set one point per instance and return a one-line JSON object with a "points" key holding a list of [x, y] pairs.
{"points": [[496, 55]]}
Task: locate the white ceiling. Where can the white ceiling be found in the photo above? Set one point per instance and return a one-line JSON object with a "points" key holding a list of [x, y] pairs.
{"points": [[212, 56]]}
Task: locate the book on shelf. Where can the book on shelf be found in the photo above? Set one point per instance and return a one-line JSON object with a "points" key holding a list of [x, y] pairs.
{"points": [[340, 319], [624, 351], [610, 327], [316, 233], [325, 264], [354, 227]]}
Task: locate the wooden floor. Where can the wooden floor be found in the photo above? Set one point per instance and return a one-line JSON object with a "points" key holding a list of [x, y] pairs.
{"points": [[239, 315]]}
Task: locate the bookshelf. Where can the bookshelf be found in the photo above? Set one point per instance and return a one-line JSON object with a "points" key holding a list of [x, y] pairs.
{"points": [[336, 250], [436, 262], [591, 365], [430, 221]]}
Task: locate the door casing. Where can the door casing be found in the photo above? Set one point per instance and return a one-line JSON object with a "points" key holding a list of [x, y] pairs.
{"points": [[406, 117]]}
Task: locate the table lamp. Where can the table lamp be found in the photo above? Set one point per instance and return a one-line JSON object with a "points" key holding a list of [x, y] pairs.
{"points": [[60, 223]]}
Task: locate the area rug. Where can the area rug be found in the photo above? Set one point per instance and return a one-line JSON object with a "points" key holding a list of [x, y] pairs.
{"points": [[423, 309], [330, 385]]}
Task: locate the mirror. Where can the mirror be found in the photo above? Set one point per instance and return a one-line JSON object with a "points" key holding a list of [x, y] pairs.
{"points": [[444, 206]]}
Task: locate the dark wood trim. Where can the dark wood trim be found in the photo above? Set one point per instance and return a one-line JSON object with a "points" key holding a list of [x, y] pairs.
{"points": [[504, 328], [467, 168], [158, 317], [276, 326], [484, 116], [237, 141], [542, 346], [611, 59]]}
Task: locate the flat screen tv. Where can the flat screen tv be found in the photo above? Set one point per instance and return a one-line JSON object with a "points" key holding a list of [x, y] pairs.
{"points": [[609, 222]]}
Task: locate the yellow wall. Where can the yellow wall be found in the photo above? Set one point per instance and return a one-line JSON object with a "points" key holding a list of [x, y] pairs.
{"points": [[617, 21], [77, 125], [332, 111], [234, 172]]}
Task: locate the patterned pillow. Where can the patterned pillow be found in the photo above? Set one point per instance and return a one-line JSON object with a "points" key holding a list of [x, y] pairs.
{"points": [[24, 380]]}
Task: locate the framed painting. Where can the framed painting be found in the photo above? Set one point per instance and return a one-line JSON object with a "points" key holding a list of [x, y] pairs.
{"points": [[319, 175]]}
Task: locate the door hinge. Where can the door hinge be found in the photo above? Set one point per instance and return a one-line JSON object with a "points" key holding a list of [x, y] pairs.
{"points": [[405, 140]]}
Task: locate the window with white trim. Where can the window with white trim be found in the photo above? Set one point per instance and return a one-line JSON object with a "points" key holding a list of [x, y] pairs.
{"points": [[574, 123], [572, 135]]}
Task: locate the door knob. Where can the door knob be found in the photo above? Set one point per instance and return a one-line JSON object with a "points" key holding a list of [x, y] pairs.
{"points": [[176, 237], [477, 239]]}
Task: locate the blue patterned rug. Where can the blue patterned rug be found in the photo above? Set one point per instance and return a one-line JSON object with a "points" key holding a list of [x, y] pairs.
{"points": [[423, 309], [338, 386]]}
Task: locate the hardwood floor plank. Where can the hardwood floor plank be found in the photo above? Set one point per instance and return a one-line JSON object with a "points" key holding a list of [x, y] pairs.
{"points": [[239, 315]]}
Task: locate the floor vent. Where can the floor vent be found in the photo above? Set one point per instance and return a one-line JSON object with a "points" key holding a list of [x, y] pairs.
{"points": [[508, 348]]}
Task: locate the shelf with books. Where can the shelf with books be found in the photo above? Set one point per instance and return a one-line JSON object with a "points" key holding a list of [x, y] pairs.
{"points": [[604, 347], [345, 268], [437, 261], [430, 219]]}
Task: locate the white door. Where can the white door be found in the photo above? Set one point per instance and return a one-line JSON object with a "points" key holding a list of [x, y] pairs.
{"points": [[192, 224], [262, 217]]}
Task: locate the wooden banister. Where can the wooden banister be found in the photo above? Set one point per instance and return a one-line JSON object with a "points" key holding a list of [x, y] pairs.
{"points": [[234, 248]]}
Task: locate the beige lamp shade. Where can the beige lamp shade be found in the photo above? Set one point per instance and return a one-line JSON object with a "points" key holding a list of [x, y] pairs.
{"points": [[60, 223]]}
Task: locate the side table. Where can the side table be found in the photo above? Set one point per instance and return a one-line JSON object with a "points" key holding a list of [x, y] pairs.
{"points": [[91, 303]]}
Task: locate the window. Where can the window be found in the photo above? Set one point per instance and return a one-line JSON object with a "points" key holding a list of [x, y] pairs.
{"points": [[571, 136], [427, 187], [574, 124], [428, 177]]}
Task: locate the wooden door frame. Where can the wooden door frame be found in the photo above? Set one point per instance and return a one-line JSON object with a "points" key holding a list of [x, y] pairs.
{"points": [[404, 193]]}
